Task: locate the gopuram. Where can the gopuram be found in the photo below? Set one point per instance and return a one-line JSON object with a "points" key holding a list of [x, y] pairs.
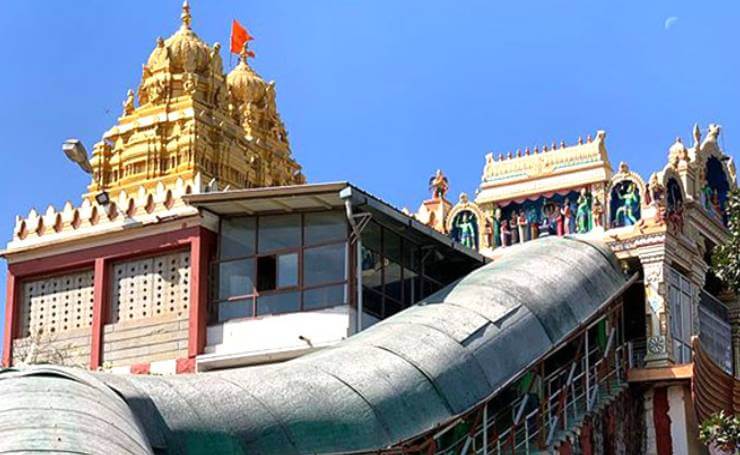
{"points": [[664, 226]]}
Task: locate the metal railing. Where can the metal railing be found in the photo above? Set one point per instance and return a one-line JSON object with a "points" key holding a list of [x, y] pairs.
{"points": [[715, 330], [571, 392]]}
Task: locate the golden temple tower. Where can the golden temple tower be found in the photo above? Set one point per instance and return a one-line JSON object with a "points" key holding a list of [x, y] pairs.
{"points": [[194, 124]]}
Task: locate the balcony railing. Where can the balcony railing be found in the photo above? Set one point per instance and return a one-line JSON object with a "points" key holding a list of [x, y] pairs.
{"points": [[572, 392], [715, 330]]}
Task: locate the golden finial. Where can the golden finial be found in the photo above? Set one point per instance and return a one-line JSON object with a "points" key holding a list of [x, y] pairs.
{"points": [[246, 53], [186, 17]]}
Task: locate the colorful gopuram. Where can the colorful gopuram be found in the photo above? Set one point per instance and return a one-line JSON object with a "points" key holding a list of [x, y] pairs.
{"points": [[664, 226]]}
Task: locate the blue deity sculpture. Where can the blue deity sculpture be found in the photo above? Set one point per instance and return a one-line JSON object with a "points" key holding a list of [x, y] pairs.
{"points": [[629, 203], [466, 230]]}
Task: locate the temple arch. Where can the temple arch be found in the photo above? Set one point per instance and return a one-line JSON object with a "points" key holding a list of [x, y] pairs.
{"points": [[467, 212], [626, 193]]}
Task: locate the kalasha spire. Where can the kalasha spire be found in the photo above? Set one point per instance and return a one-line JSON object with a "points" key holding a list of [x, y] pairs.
{"points": [[186, 17]]}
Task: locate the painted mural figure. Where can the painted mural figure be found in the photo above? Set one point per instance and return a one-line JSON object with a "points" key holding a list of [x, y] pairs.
{"points": [[583, 212], [629, 200]]}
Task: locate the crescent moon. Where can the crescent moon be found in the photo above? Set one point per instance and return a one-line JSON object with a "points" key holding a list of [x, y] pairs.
{"points": [[670, 22]]}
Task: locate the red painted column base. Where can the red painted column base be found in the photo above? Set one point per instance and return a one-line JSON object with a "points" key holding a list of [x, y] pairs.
{"points": [[11, 314], [141, 368], [662, 422], [185, 366]]}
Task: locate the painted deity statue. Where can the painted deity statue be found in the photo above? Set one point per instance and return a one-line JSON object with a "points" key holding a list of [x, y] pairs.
{"points": [[559, 220], [505, 233], [438, 185], [128, 104], [628, 203], [567, 214], [706, 197], [597, 211], [496, 228], [546, 224], [583, 212], [534, 230], [466, 231], [522, 225], [514, 229], [715, 203]]}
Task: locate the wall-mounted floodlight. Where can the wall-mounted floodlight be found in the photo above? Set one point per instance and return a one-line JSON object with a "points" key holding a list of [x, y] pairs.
{"points": [[103, 198], [76, 152]]}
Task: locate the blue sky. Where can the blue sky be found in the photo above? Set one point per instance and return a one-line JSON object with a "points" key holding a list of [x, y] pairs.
{"points": [[382, 92]]}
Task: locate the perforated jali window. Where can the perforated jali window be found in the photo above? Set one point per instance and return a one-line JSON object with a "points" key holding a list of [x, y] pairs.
{"points": [[151, 287], [57, 304]]}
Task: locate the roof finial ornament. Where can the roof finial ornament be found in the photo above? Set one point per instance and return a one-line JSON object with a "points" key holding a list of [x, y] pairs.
{"points": [[246, 53], [580, 140], [697, 136], [186, 17]]}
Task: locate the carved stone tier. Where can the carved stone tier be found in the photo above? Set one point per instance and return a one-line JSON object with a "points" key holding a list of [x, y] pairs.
{"points": [[193, 119]]}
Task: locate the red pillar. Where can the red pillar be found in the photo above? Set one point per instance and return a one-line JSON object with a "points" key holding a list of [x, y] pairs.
{"points": [[662, 421], [201, 248], [12, 308], [100, 311]]}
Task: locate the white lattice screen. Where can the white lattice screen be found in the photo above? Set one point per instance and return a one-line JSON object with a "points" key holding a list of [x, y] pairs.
{"points": [[151, 287], [59, 304]]}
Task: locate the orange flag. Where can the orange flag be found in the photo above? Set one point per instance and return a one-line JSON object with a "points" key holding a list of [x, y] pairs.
{"points": [[239, 36]]}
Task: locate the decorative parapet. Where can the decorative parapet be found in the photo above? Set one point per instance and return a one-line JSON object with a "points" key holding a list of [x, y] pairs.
{"points": [[91, 218], [551, 169], [547, 160]]}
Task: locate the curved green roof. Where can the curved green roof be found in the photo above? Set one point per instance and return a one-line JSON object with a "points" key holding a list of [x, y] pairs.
{"points": [[396, 380]]}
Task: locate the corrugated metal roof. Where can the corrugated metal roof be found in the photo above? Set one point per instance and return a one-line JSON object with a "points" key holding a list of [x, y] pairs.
{"points": [[396, 380]]}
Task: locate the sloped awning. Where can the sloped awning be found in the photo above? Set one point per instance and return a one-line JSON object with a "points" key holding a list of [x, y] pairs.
{"points": [[396, 380], [714, 389]]}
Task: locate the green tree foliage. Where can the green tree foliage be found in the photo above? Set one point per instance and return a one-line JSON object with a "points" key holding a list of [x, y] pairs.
{"points": [[726, 258], [721, 431]]}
